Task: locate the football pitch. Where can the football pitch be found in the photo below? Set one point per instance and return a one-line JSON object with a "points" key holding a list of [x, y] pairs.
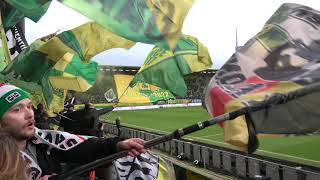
{"points": [[303, 149]]}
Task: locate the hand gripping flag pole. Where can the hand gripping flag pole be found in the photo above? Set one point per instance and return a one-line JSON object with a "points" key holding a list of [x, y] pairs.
{"points": [[270, 101]]}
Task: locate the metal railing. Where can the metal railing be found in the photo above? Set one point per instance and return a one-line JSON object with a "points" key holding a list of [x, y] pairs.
{"points": [[223, 160]]}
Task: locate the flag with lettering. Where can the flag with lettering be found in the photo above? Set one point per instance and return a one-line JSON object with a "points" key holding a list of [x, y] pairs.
{"points": [[152, 22], [13, 13], [166, 69], [141, 93], [147, 166], [16, 43], [281, 58], [112, 86]]}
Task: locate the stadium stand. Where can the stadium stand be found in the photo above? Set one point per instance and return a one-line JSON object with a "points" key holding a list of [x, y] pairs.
{"points": [[196, 84]]}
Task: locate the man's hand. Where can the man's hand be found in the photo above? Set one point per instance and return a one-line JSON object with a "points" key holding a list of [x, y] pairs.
{"points": [[135, 145], [48, 177]]}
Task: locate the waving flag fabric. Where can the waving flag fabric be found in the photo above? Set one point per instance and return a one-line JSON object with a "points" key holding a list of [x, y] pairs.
{"points": [[69, 49], [17, 10], [281, 58], [166, 69], [141, 93], [147, 166], [16, 42], [70, 73], [13, 13], [152, 22], [85, 41]]}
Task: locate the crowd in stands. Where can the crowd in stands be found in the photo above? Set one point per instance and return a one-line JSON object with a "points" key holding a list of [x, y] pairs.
{"points": [[88, 97], [195, 90], [196, 87]]}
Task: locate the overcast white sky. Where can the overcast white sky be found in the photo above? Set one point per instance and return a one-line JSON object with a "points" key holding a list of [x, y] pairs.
{"points": [[213, 22]]}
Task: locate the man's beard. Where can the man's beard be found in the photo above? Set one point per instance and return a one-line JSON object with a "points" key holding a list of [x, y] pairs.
{"points": [[15, 133]]}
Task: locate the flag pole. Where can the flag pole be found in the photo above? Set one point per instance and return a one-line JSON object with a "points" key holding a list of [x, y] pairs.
{"points": [[275, 99], [4, 42]]}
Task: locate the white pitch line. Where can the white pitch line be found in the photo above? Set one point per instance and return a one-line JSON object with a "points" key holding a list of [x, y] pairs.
{"points": [[294, 157], [270, 152], [218, 142], [215, 142], [135, 126], [211, 135]]}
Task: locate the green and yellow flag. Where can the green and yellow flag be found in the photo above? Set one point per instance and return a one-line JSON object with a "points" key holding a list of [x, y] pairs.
{"points": [[72, 74], [166, 69], [140, 93], [12, 38], [84, 41], [112, 86], [62, 56], [152, 22]]}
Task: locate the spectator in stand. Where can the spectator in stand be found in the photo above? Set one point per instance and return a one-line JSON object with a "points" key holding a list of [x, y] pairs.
{"points": [[38, 111], [86, 120], [41, 117]]}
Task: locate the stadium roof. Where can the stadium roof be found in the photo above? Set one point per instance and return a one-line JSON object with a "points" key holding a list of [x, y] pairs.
{"points": [[135, 69]]}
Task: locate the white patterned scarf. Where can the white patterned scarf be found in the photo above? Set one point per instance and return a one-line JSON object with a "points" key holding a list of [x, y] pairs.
{"points": [[54, 139]]}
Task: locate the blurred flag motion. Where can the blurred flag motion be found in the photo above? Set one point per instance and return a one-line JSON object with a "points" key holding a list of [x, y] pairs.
{"points": [[166, 69], [65, 58], [140, 93], [54, 61], [282, 57], [152, 22], [59, 62], [15, 10]]}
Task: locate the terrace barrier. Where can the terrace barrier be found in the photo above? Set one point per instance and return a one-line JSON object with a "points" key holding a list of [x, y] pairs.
{"points": [[223, 160]]}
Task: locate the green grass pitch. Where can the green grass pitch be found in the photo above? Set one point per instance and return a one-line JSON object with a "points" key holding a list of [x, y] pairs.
{"points": [[303, 149]]}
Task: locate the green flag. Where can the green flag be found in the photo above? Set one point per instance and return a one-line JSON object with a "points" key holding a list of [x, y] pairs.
{"points": [[16, 10], [152, 22], [85, 41], [166, 69], [140, 93], [72, 74], [34, 89], [36, 62], [12, 38]]}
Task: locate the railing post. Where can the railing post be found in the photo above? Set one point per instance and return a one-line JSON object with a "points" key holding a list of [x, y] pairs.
{"points": [[241, 166]]}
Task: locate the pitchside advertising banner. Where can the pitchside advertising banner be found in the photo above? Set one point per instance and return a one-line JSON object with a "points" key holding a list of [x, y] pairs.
{"points": [[112, 86]]}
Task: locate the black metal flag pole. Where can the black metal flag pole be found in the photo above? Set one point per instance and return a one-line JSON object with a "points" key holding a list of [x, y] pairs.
{"points": [[275, 99], [64, 116]]}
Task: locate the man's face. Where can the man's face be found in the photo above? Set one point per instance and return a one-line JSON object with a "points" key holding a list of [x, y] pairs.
{"points": [[20, 120]]}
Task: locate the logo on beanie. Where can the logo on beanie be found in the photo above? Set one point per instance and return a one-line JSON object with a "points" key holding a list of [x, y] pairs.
{"points": [[13, 96]]}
